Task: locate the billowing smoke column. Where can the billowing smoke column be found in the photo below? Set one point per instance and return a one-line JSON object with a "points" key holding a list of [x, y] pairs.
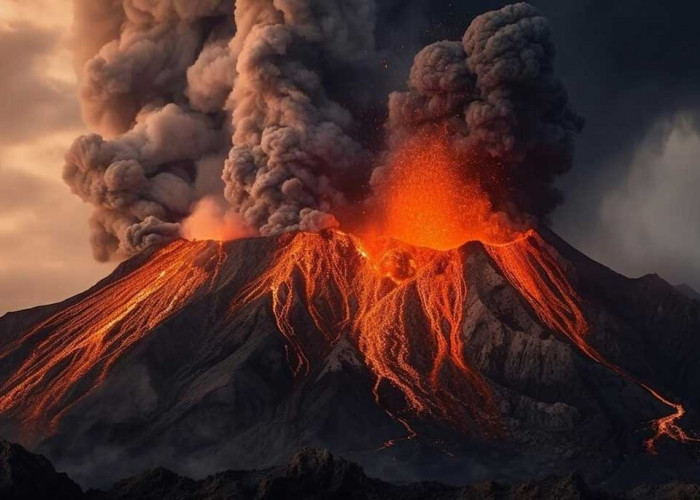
{"points": [[163, 138], [292, 143], [264, 105], [181, 94], [497, 99]]}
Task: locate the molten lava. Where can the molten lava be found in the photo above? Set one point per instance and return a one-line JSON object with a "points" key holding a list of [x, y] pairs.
{"points": [[349, 294], [427, 199], [397, 294], [85, 340], [534, 271]]}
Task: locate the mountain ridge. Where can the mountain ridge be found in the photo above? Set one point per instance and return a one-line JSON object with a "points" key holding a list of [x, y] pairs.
{"points": [[209, 389]]}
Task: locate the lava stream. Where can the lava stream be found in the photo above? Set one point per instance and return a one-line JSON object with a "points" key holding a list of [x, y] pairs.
{"points": [[403, 309], [535, 273], [371, 299], [87, 338]]}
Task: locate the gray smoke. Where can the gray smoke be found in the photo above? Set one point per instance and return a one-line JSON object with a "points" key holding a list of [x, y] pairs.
{"points": [[181, 94], [274, 107], [498, 98], [292, 143], [146, 85], [142, 180]]}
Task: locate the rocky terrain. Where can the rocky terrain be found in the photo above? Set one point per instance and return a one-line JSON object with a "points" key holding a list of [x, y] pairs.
{"points": [[206, 389], [310, 474]]}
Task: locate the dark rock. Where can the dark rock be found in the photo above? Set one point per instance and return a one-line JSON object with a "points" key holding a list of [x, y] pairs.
{"points": [[25, 476]]}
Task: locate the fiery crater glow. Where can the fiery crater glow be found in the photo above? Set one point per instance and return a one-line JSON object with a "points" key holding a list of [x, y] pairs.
{"points": [[426, 198], [397, 292]]}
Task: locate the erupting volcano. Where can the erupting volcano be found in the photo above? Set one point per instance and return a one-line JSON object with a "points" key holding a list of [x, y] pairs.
{"points": [[398, 300], [404, 314]]}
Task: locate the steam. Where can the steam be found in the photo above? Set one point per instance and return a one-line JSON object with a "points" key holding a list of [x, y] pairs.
{"points": [[497, 97], [211, 219], [272, 107]]}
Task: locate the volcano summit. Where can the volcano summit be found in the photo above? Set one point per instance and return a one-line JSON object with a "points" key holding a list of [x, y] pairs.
{"points": [[502, 361]]}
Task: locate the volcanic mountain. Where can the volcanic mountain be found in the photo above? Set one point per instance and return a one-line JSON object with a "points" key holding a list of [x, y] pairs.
{"points": [[491, 361]]}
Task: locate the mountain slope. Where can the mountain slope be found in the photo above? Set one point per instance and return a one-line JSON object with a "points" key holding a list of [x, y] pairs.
{"points": [[418, 364]]}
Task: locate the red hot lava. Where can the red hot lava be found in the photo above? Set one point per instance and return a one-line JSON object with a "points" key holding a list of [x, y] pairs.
{"points": [[400, 299], [429, 209]]}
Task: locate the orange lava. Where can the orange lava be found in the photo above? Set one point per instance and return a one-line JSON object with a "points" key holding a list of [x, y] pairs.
{"points": [[85, 340], [426, 198], [407, 328], [534, 271], [402, 301]]}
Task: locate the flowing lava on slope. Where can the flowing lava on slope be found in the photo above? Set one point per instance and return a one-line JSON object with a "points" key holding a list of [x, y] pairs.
{"points": [[85, 340], [397, 292], [369, 288]]}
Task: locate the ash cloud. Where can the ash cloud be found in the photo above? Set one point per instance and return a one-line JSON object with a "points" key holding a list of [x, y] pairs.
{"points": [[138, 62], [496, 95], [292, 142], [276, 106]]}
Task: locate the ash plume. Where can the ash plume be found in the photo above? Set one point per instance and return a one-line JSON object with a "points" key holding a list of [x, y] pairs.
{"points": [[496, 95], [292, 142], [175, 88], [160, 150], [274, 107]]}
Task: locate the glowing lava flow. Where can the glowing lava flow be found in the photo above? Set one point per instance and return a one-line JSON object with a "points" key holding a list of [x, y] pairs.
{"points": [[402, 307], [535, 273], [88, 337], [405, 319]]}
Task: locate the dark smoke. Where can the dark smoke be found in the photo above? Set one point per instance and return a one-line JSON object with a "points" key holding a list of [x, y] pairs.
{"points": [[148, 88], [292, 143], [284, 103], [497, 96]]}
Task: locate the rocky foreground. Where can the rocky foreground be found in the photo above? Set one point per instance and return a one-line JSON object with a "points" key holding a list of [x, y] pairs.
{"points": [[311, 474]]}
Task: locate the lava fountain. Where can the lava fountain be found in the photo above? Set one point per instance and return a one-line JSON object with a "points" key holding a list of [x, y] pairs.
{"points": [[411, 258]]}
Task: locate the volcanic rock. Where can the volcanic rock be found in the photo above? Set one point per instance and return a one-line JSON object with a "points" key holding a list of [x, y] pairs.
{"points": [[163, 364], [25, 476]]}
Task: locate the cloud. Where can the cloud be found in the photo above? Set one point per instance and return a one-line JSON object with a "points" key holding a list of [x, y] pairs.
{"points": [[44, 257], [33, 103], [650, 218]]}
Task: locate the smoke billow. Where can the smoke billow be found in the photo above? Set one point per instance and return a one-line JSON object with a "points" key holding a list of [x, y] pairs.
{"points": [[271, 106], [496, 96], [159, 149], [292, 143]]}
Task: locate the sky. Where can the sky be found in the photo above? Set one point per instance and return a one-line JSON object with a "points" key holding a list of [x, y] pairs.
{"points": [[631, 201], [44, 255]]}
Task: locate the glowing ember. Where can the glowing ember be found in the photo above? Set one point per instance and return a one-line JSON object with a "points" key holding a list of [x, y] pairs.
{"points": [[428, 199], [87, 338]]}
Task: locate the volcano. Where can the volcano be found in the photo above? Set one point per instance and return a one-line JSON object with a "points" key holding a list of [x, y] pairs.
{"points": [[503, 361]]}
